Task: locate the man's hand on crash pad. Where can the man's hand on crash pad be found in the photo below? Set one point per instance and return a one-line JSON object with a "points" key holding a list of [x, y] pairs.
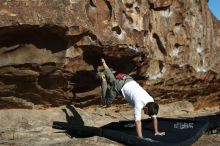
{"points": [[159, 133]]}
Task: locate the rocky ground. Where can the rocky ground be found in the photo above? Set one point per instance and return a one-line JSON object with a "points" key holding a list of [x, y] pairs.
{"points": [[20, 127]]}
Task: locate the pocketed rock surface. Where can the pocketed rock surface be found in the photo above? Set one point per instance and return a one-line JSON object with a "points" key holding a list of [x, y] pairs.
{"points": [[50, 50]]}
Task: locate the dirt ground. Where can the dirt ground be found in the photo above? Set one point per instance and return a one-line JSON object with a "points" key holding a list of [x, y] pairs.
{"points": [[23, 127]]}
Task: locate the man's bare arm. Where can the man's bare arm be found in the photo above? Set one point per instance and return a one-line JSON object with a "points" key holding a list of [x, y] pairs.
{"points": [[155, 123], [138, 128]]}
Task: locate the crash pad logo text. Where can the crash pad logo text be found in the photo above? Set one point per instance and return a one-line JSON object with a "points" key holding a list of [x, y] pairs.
{"points": [[183, 125]]}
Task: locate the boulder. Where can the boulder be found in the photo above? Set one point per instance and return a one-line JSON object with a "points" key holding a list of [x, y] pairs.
{"points": [[50, 50]]}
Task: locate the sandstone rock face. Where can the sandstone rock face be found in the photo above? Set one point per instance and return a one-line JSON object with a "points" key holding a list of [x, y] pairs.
{"points": [[170, 46]]}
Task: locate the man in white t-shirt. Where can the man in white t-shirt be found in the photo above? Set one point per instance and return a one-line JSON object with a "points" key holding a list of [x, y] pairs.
{"points": [[133, 93]]}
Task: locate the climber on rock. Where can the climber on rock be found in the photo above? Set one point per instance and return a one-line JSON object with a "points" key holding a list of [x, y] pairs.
{"points": [[133, 93]]}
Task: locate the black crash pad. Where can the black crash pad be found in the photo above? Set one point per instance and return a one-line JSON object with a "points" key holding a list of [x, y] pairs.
{"points": [[180, 132]]}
